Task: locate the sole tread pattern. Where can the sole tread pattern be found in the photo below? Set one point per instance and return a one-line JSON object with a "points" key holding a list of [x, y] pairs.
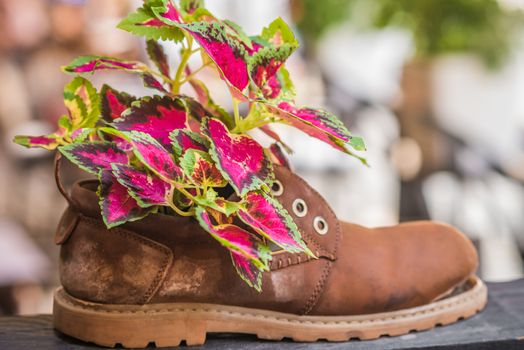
{"points": [[165, 325]]}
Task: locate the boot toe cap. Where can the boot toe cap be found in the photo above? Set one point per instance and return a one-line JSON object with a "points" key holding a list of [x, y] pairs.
{"points": [[396, 267]]}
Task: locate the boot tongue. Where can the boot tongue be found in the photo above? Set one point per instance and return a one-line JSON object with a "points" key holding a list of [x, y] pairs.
{"points": [[314, 217]]}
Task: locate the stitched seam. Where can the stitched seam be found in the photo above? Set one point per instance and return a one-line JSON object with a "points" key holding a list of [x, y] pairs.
{"points": [[445, 306], [153, 287], [302, 258], [319, 288]]}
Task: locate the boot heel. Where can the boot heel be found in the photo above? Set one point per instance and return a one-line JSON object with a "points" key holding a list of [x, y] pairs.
{"points": [[128, 326]]}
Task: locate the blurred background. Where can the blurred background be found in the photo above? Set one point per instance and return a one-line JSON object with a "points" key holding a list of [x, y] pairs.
{"points": [[435, 87]]}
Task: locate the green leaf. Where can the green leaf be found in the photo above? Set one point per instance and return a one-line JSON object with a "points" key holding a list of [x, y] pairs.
{"points": [[236, 31], [357, 143], [211, 200], [190, 6], [278, 32]]}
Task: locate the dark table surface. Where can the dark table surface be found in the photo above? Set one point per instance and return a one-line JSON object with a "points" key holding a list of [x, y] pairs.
{"points": [[499, 326]]}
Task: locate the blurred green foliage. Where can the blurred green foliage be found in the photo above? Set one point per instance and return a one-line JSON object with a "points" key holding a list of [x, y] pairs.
{"points": [[315, 17], [481, 27]]}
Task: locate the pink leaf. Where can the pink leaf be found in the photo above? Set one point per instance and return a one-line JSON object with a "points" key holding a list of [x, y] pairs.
{"points": [[236, 239], [153, 155], [114, 103], [147, 189], [267, 216], [94, 156], [239, 157], [116, 204], [156, 116]]}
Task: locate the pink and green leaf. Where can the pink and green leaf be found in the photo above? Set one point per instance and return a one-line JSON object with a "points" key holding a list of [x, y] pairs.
{"points": [[228, 53], [84, 113], [76, 109], [91, 64], [156, 116], [264, 65], [270, 50], [240, 158], [322, 125], [49, 142], [238, 33], [153, 83], [81, 135], [114, 103], [116, 205], [200, 169], [204, 98], [143, 22], [167, 12], [278, 156], [158, 57], [153, 155], [94, 156], [212, 200], [184, 139], [190, 6], [247, 270], [278, 87], [269, 218], [266, 129], [321, 119], [278, 33], [236, 239], [146, 188]]}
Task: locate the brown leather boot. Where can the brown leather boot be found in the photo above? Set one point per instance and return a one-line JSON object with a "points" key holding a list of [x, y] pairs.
{"points": [[164, 280]]}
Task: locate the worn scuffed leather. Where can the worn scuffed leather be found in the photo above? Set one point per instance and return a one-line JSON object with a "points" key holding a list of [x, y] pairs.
{"points": [[171, 259]]}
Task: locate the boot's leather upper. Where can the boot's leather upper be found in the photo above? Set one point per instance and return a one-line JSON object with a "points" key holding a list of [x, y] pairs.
{"points": [[165, 258]]}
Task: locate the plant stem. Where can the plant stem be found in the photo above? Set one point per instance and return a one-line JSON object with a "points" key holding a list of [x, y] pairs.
{"points": [[237, 114], [186, 54], [179, 211], [160, 75], [190, 76], [185, 192]]}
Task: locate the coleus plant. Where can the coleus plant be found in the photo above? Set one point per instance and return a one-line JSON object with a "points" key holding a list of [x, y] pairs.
{"points": [[177, 154]]}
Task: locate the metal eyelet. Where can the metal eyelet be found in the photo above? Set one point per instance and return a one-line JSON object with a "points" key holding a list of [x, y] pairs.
{"points": [[300, 207], [320, 225], [277, 188]]}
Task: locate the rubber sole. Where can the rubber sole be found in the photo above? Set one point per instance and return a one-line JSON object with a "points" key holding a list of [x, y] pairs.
{"points": [[137, 326]]}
